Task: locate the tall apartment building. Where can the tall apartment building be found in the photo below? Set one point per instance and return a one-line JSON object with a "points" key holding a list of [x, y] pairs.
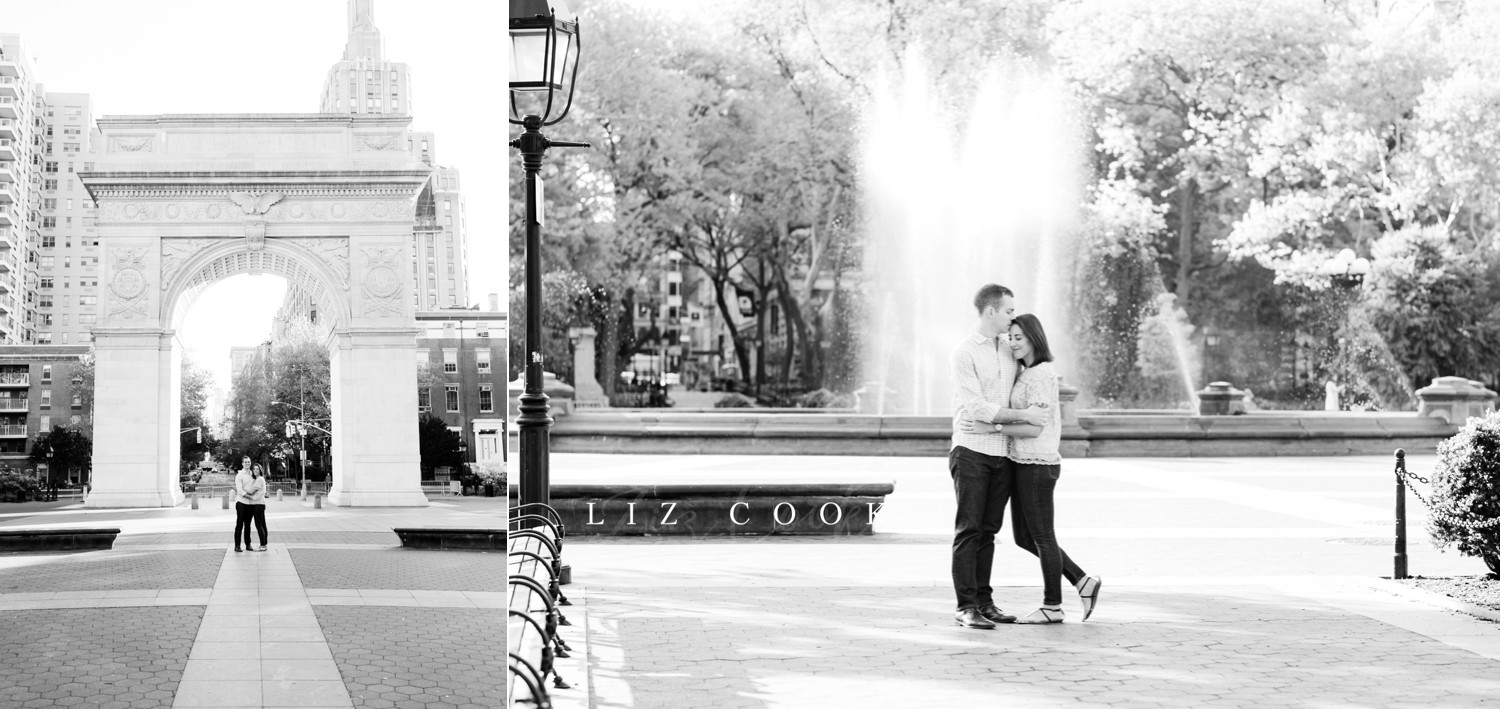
{"points": [[66, 252], [363, 81], [21, 167]]}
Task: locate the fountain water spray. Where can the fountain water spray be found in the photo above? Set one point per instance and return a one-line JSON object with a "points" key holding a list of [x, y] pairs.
{"points": [[985, 189]]}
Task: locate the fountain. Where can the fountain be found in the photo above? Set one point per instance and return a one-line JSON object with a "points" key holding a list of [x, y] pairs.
{"points": [[958, 196], [959, 193]]}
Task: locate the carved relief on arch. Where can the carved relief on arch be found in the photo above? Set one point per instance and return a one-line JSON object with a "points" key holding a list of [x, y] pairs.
{"points": [[380, 281], [332, 251], [176, 252], [127, 283]]}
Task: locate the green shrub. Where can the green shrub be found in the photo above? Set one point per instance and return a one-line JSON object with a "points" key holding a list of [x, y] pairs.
{"points": [[1466, 487], [734, 401], [18, 487]]}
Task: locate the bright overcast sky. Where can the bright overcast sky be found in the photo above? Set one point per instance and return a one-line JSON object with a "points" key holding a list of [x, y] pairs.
{"points": [[271, 56]]}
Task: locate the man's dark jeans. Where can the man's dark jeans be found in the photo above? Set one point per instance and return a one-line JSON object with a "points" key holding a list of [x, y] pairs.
{"points": [[981, 484], [1032, 523], [243, 514]]}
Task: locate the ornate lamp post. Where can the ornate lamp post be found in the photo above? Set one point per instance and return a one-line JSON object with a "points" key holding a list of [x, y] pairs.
{"points": [[543, 35], [1345, 270]]}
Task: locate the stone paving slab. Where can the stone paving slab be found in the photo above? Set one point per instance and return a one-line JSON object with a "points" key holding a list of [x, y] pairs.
{"points": [[108, 570], [403, 569], [897, 647], [434, 658], [95, 657]]}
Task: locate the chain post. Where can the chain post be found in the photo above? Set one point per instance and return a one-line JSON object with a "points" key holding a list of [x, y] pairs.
{"points": [[1400, 571]]}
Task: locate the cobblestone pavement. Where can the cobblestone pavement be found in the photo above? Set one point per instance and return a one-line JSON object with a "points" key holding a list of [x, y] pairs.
{"points": [[434, 657], [93, 571], [1230, 582], [172, 618], [382, 569], [95, 657]]}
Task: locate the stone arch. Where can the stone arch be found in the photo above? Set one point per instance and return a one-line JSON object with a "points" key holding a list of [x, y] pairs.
{"points": [[326, 201], [323, 278]]}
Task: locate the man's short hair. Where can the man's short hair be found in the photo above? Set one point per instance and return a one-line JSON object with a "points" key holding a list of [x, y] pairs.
{"points": [[990, 297]]}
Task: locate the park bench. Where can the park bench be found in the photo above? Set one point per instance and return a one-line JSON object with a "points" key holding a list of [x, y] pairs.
{"points": [[534, 567], [58, 539]]}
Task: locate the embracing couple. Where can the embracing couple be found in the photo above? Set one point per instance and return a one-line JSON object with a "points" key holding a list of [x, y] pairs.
{"points": [[1007, 426]]}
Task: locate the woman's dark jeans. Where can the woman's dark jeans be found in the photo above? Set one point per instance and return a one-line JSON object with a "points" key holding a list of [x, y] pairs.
{"points": [[243, 513], [1032, 522], [258, 513]]}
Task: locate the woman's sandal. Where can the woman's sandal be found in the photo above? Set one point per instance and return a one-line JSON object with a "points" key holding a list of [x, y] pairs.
{"points": [[1042, 616]]}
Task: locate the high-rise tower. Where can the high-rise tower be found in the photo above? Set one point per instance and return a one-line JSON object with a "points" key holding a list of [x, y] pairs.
{"points": [[363, 81]]}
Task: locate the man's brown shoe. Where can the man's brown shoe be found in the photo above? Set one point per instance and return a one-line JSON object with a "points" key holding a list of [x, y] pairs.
{"points": [[995, 615], [970, 618]]}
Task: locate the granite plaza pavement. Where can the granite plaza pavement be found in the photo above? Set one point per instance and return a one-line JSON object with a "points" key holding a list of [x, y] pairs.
{"points": [[333, 614], [1229, 582]]}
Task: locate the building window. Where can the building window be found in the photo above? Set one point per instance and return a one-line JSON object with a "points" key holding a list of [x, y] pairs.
{"points": [[46, 398], [424, 399], [46, 373], [46, 426], [486, 399], [44, 283], [44, 319], [77, 400], [44, 301], [44, 338], [450, 361], [423, 359], [482, 361], [49, 222], [46, 261], [451, 395], [88, 299], [49, 184]]}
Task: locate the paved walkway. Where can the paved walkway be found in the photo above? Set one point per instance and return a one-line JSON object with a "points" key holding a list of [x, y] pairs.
{"points": [[1230, 582], [333, 614]]}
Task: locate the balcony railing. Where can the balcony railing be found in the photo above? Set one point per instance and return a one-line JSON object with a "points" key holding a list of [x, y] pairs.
{"points": [[13, 430], [14, 379], [15, 404]]}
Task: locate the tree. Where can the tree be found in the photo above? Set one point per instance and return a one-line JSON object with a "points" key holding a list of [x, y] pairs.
{"points": [[62, 450], [300, 389], [439, 446], [249, 434], [196, 383]]}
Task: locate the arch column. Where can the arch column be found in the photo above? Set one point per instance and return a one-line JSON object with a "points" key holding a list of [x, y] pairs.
{"points": [[376, 459], [135, 455]]}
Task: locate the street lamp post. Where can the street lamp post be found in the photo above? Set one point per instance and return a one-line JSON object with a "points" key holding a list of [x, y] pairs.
{"points": [[543, 35], [1345, 270]]}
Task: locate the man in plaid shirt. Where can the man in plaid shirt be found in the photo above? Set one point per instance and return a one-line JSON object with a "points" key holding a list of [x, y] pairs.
{"points": [[983, 372]]}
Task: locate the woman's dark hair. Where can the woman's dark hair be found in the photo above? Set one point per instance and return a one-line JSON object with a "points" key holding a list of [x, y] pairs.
{"points": [[1031, 327]]}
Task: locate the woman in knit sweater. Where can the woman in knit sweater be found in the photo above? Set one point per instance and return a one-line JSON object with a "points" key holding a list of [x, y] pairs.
{"points": [[1037, 466]]}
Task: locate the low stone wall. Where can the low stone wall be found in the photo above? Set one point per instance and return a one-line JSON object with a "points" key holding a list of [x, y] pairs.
{"points": [[447, 538], [711, 509], [1096, 434], [58, 539]]}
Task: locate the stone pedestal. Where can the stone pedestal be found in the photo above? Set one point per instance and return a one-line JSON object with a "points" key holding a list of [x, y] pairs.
{"points": [[1220, 399], [1067, 399], [587, 392], [1455, 399]]}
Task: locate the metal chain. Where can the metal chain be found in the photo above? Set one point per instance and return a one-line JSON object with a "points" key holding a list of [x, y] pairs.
{"points": [[1402, 472]]}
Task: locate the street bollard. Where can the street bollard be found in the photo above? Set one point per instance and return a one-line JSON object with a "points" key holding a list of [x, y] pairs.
{"points": [[1400, 570], [278, 495], [226, 500], [195, 502], [317, 502]]}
